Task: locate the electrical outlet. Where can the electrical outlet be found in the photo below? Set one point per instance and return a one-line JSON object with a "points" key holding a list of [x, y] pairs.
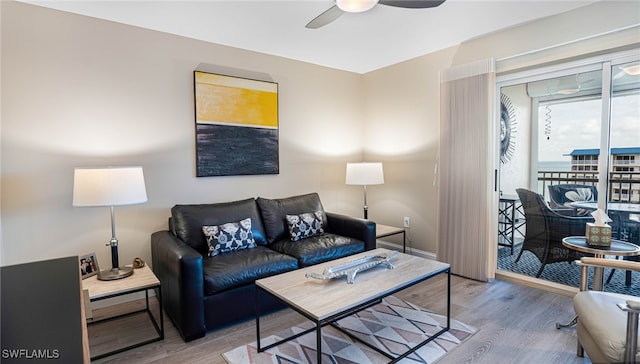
{"points": [[406, 222]]}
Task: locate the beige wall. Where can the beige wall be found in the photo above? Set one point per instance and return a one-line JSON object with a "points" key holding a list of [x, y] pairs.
{"points": [[403, 111], [403, 118], [85, 92]]}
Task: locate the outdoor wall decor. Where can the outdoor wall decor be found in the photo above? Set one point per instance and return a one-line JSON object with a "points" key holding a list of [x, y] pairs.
{"points": [[236, 125], [508, 129]]}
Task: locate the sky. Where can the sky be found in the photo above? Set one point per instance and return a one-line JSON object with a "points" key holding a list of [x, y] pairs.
{"points": [[577, 125]]}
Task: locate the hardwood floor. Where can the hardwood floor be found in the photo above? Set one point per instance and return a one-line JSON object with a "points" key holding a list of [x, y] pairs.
{"points": [[516, 325]]}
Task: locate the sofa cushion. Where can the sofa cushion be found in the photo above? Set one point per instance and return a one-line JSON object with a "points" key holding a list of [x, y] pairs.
{"points": [[304, 225], [318, 249], [229, 237], [274, 211], [187, 221], [241, 267]]}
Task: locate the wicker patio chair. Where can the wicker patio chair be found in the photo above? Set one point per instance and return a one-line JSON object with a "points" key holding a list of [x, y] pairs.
{"points": [[561, 196], [625, 227], [545, 230]]}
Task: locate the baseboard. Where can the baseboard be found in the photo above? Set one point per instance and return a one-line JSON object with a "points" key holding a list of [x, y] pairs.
{"points": [[536, 283], [410, 250]]}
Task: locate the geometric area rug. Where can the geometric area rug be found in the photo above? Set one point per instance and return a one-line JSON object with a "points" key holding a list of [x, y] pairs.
{"points": [[393, 325]]}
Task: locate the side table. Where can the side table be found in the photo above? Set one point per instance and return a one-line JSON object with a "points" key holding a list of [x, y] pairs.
{"points": [[510, 220], [618, 248], [386, 230], [142, 280]]}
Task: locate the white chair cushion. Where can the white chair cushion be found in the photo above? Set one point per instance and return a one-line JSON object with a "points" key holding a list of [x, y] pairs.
{"points": [[604, 320]]}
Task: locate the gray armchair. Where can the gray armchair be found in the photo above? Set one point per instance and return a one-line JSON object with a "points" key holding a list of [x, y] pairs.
{"points": [[545, 229], [607, 327]]}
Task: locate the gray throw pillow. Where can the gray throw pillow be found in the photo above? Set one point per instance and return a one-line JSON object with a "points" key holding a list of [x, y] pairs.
{"points": [[305, 225], [229, 237]]}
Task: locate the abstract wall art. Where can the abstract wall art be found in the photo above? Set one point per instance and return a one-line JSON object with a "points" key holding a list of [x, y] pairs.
{"points": [[236, 125]]}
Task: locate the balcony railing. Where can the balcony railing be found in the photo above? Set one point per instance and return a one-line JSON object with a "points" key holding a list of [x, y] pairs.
{"points": [[623, 186]]}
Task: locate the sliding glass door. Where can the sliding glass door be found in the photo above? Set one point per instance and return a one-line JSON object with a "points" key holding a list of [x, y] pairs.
{"points": [[623, 187], [570, 134], [568, 131]]}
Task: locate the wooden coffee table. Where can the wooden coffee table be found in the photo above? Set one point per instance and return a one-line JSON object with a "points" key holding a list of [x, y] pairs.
{"points": [[326, 301]]}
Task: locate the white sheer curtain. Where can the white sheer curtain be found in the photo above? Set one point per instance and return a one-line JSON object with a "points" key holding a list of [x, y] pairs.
{"points": [[467, 236]]}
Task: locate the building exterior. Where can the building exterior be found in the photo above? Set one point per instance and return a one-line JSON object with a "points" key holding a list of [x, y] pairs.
{"points": [[622, 159], [624, 170]]}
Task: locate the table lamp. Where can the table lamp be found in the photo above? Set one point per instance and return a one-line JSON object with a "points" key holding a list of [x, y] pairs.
{"points": [[365, 174], [110, 186]]}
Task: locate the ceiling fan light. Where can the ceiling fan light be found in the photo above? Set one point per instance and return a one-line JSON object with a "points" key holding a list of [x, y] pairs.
{"points": [[355, 6], [569, 85], [569, 91], [632, 70]]}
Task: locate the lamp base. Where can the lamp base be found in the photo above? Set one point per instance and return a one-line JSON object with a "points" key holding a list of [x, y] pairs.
{"points": [[115, 273]]}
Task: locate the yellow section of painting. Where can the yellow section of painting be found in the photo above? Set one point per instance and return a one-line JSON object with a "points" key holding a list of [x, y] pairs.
{"points": [[236, 101]]}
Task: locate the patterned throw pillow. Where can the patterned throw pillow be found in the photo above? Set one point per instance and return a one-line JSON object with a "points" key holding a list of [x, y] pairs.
{"points": [[304, 225], [229, 237]]}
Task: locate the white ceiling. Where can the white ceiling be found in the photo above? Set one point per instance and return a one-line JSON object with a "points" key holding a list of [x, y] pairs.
{"points": [[354, 42]]}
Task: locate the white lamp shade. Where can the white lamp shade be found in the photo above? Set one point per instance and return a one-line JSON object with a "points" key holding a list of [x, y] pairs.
{"points": [[108, 186], [632, 69], [355, 6], [364, 174]]}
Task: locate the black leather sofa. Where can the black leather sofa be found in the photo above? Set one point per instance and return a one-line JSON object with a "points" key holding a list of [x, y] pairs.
{"points": [[202, 292]]}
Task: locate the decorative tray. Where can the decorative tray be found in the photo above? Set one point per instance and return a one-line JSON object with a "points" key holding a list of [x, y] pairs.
{"points": [[351, 268]]}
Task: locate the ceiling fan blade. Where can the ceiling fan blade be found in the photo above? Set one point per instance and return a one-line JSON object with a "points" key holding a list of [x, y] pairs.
{"points": [[325, 18], [413, 4]]}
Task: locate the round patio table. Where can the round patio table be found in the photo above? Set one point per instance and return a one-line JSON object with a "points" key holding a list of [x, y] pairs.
{"points": [[618, 248]]}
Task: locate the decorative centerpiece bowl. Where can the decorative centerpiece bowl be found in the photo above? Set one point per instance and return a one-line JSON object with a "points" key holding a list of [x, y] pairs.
{"points": [[351, 268]]}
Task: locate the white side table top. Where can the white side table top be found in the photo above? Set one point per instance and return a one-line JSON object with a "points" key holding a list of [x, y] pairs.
{"points": [[385, 230], [141, 278]]}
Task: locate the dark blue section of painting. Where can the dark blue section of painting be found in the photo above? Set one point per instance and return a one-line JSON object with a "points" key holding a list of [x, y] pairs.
{"points": [[234, 150]]}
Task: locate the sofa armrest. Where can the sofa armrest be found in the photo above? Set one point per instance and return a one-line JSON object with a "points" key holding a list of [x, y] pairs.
{"points": [[179, 269], [352, 227]]}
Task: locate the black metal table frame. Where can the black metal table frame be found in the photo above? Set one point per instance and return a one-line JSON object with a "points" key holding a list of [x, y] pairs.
{"points": [[159, 328], [404, 238], [509, 210], [331, 320]]}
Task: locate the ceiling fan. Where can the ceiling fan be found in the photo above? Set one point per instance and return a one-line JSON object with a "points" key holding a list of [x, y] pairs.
{"points": [[359, 6]]}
